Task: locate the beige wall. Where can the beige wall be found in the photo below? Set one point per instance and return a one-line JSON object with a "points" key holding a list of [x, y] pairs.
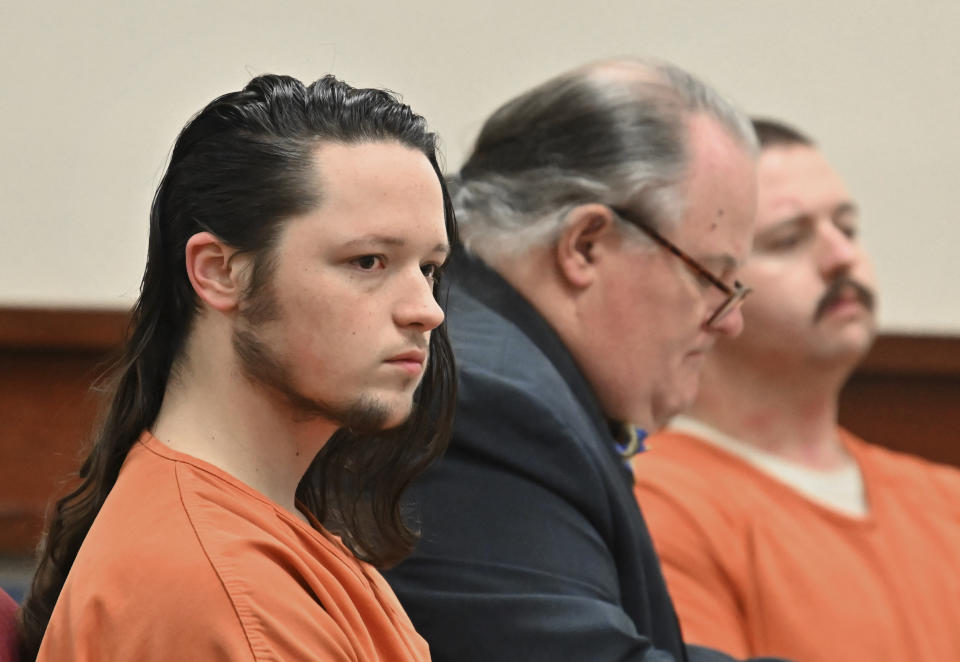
{"points": [[95, 92]]}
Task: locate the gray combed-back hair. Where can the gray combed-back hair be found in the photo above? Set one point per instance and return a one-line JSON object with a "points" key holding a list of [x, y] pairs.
{"points": [[613, 132]]}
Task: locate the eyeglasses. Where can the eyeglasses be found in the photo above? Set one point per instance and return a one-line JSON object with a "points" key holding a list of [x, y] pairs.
{"points": [[734, 296]]}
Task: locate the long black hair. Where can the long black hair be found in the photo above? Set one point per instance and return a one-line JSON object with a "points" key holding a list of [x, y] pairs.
{"points": [[239, 169]]}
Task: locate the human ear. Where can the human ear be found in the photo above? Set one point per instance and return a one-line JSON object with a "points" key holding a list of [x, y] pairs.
{"points": [[584, 240], [216, 277]]}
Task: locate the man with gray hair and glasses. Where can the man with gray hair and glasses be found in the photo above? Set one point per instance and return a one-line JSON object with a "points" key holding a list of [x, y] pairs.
{"points": [[604, 216]]}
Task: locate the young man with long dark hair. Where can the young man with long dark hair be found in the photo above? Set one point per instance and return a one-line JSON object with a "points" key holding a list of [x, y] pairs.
{"points": [[286, 376]]}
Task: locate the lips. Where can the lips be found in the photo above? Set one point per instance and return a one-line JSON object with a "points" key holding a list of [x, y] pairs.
{"points": [[414, 355], [843, 290], [849, 297], [411, 361]]}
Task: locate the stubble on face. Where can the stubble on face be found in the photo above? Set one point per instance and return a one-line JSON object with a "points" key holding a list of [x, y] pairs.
{"points": [[268, 369]]}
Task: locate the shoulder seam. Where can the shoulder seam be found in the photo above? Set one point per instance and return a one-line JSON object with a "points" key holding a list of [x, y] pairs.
{"points": [[213, 566]]}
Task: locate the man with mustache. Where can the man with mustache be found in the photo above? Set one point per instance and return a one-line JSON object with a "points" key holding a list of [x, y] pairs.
{"points": [[780, 533]]}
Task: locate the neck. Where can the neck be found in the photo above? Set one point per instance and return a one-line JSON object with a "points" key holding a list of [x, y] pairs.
{"points": [[534, 275], [212, 412], [794, 418]]}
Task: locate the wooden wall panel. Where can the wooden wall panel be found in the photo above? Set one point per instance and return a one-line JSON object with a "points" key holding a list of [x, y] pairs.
{"points": [[917, 414], [906, 395], [48, 361], [46, 410]]}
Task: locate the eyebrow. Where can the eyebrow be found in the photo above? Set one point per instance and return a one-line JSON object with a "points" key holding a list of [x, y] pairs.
{"points": [[843, 208], [372, 240]]}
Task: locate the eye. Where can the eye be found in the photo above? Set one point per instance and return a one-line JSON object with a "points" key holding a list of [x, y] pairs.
{"points": [[849, 231], [846, 220], [703, 280], [368, 262], [784, 242], [431, 271]]}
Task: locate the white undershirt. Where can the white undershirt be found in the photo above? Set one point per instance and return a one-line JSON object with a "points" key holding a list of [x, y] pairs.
{"points": [[840, 490]]}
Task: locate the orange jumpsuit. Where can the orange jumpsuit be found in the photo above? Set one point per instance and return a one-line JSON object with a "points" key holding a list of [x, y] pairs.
{"points": [[755, 568], [185, 562]]}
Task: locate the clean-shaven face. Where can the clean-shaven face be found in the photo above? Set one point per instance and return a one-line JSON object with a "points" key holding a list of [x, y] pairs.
{"points": [[350, 303]]}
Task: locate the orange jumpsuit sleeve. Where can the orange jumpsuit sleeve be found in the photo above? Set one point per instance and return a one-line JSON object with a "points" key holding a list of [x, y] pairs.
{"points": [[186, 617], [191, 617]]}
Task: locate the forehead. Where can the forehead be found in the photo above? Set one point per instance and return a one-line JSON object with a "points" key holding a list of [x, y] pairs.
{"points": [[372, 171], [720, 193], [796, 180], [377, 187]]}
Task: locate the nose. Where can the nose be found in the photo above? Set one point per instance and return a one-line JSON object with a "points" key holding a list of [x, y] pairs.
{"points": [[730, 325], [838, 252], [417, 306]]}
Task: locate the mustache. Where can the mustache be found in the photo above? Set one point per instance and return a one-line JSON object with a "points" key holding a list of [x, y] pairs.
{"points": [[837, 289]]}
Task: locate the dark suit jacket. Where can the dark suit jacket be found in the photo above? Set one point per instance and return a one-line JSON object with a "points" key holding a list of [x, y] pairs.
{"points": [[532, 546]]}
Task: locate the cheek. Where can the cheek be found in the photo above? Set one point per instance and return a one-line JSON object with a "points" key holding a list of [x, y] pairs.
{"points": [[767, 314], [313, 333], [775, 324], [781, 289], [683, 320], [327, 303]]}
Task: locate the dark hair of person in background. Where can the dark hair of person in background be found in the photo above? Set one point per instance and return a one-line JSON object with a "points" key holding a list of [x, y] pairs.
{"points": [[771, 133], [239, 169]]}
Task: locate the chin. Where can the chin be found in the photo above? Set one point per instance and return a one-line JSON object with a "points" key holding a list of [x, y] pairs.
{"points": [[680, 401], [399, 414], [662, 415], [852, 345]]}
